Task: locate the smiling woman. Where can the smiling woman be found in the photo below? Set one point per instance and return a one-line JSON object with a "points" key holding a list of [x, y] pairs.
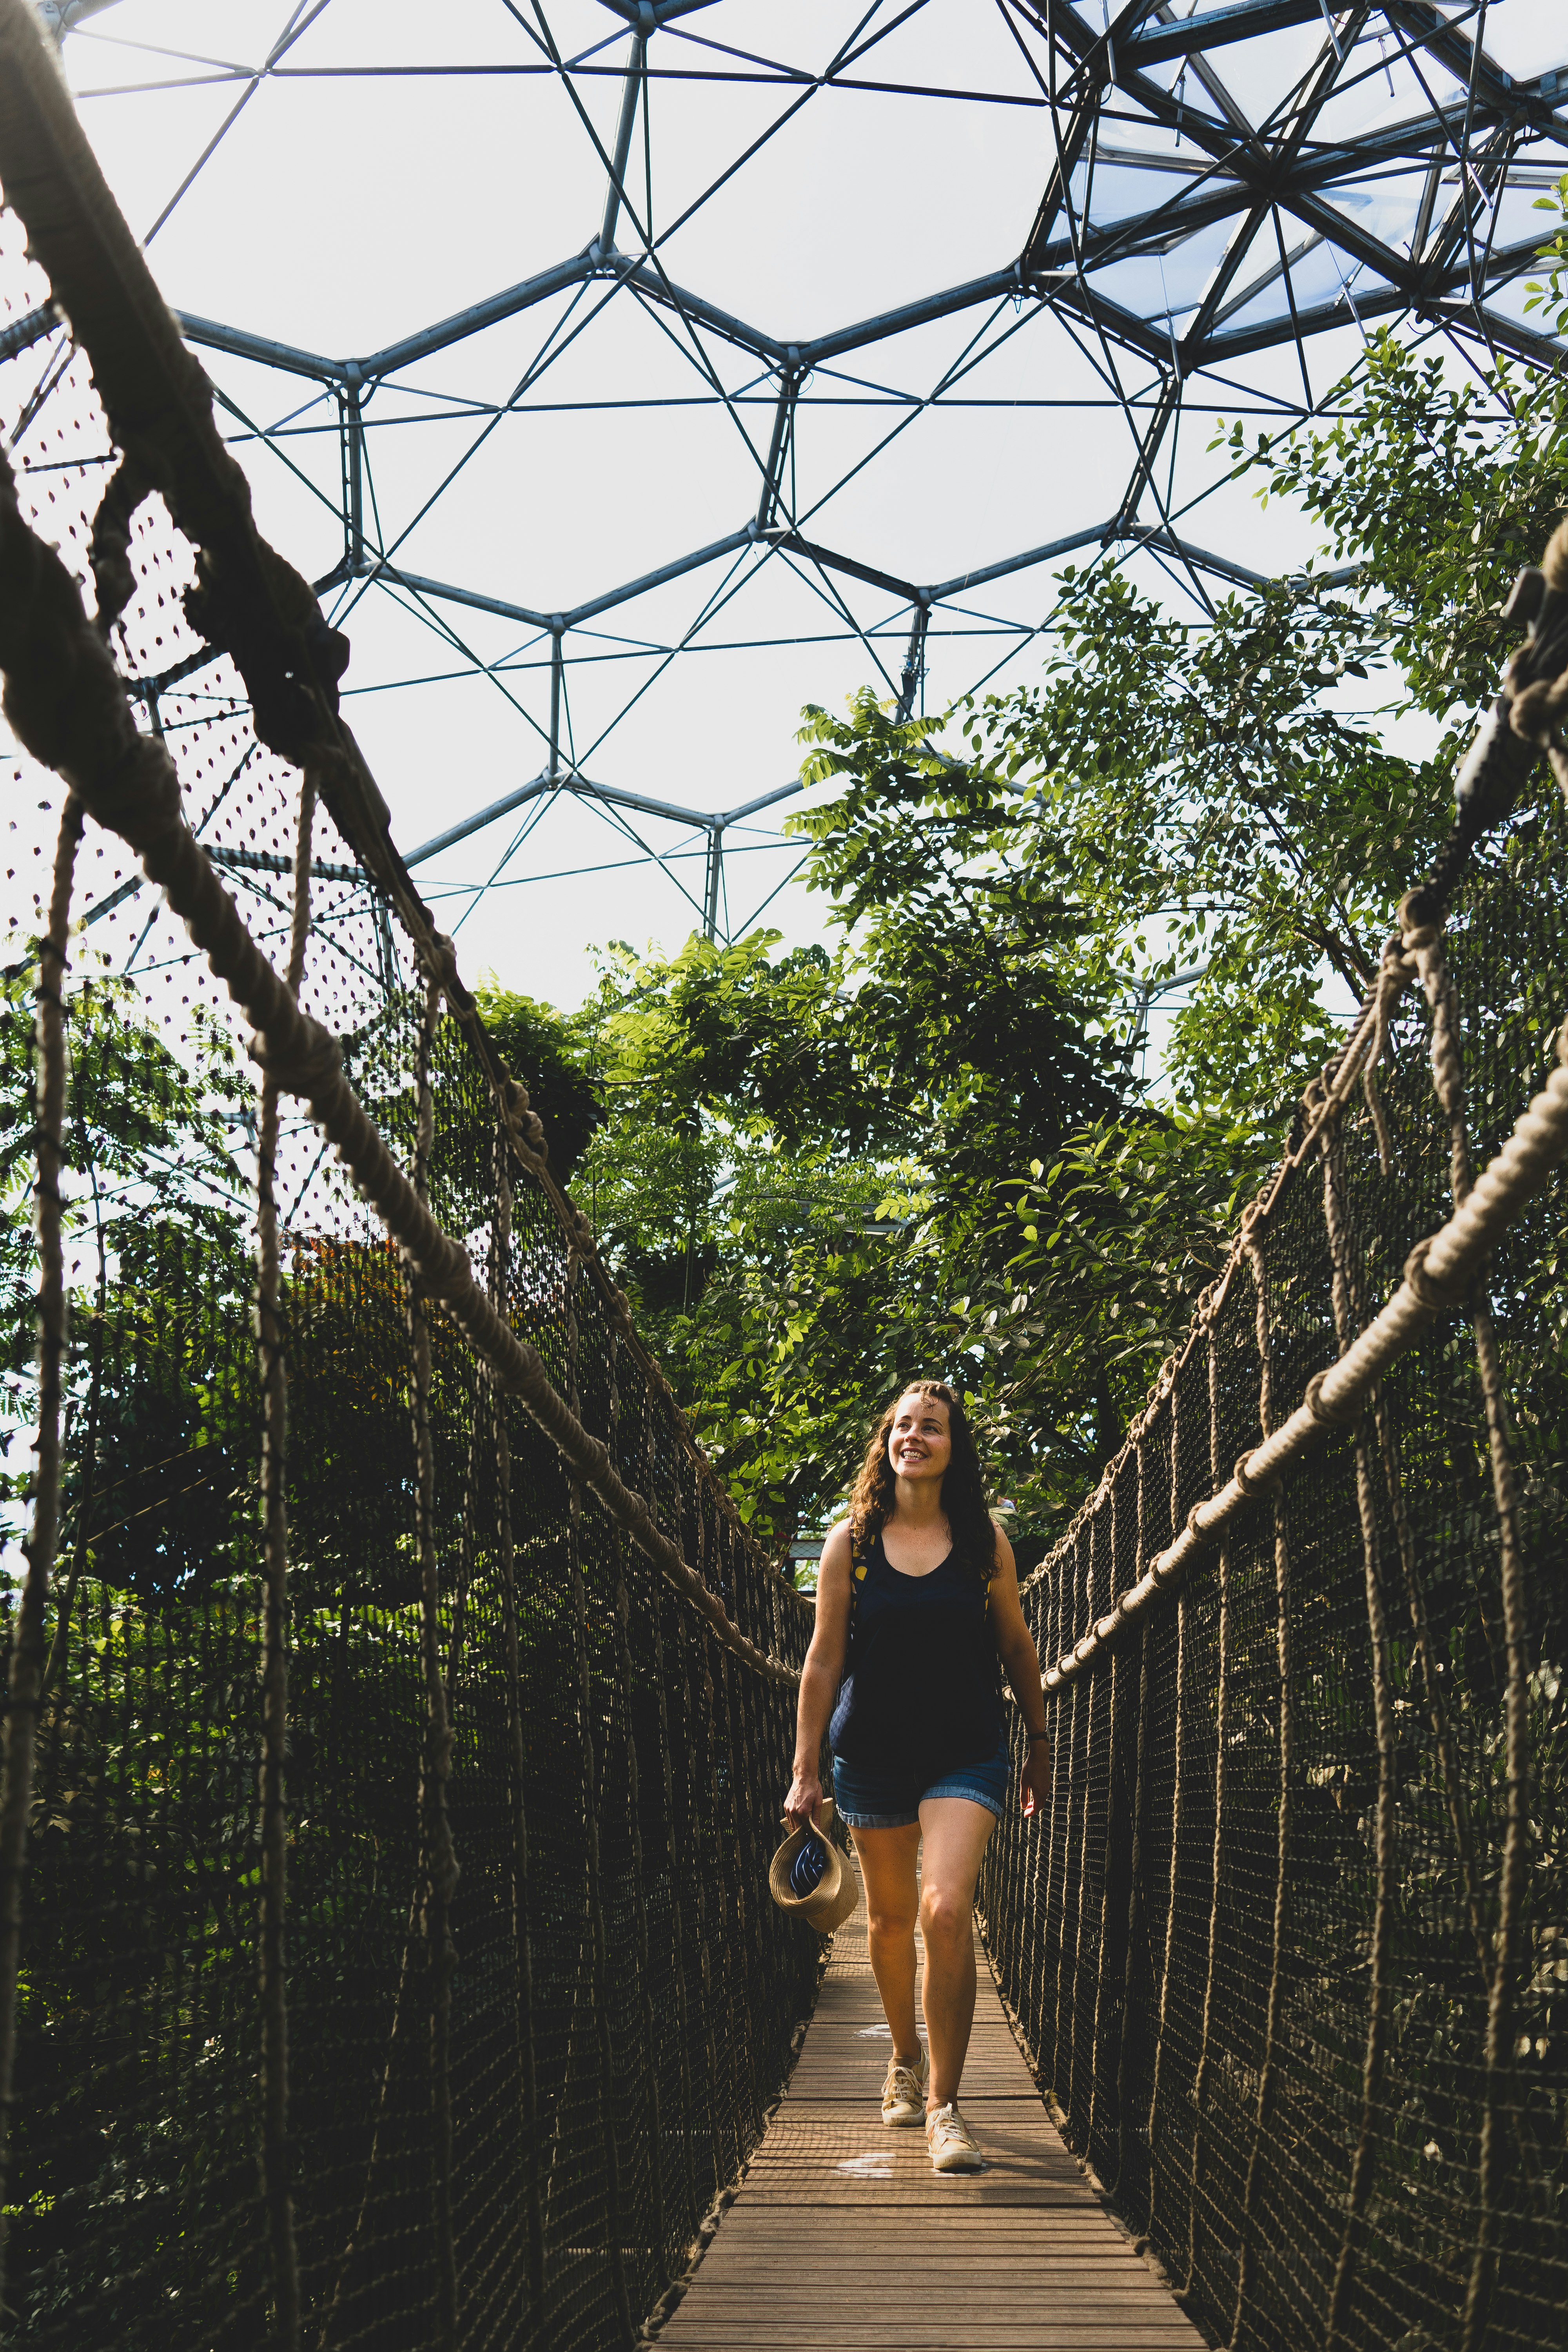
{"points": [[917, 1613]]}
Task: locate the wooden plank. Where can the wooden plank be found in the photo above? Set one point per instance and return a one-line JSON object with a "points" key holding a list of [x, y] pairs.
{"points": [[842, 2239]]}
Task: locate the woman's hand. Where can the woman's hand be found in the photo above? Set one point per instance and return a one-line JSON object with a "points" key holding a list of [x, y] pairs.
{"points": [[1035, 1781], [804, 1803]]}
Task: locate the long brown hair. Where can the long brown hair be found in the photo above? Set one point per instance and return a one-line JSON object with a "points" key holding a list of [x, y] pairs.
{"points": [[962, 1486]]}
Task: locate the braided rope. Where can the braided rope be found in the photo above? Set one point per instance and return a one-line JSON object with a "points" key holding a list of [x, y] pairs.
{"points": [[517, 1757], [25, 1677], [1283, 1820], [274, 1371], [1178, 1804], [1525, 720], [1363, 2163], [440, 1860], [68, 709], [592, 1872], [1217, 1870], [1438, 1277], [252, 603]]}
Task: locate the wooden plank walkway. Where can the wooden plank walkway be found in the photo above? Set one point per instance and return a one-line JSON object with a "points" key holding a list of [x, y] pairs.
{"points": [[842, 2237]]}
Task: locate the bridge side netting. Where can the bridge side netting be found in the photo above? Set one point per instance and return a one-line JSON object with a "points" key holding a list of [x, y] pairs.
{"points": [[1292, 1951], [430, 1996]]}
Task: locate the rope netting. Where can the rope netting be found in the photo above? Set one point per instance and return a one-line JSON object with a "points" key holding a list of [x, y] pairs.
{"points": [[397, 1708], [1291, 1951]]}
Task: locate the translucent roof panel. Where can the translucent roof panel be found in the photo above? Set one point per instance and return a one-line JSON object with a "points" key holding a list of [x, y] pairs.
{"points": [[629, 372]]}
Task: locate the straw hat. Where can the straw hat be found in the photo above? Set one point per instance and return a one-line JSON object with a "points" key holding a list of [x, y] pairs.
{"points": [[836, 1892]]}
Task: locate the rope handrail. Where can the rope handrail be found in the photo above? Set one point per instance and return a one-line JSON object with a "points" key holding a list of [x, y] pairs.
{"points": [[67, 704], [459, 1712], [1288, 1948], [1438, 1277], [1521, 726], [251, 601]]}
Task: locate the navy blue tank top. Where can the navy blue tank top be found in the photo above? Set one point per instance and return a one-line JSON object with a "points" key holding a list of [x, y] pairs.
{"points": [[921, 1691]]}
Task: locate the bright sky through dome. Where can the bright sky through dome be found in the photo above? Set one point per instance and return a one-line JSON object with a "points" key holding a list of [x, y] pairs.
{"points": [[385, 165]]}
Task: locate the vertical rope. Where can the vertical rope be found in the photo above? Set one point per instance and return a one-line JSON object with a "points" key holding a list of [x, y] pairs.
{"points": [[1135, 1869], [1265, 1414], [1363, 2163], [1221, 1763], [1035, 1918], [735, 2152], [751, 1799], [60, 1644], [678, 1964], [1061, 1797], [274, 1369], [1422, 938], [441, 1862], [1425, 940], [1178, 1795], [746, 1945], [1066, 1987], [478, 1400], [626, 1681], [1425, 944], [1515, 1866], [1116, 1675], [698, 1776], [26, 1668], [521, 1926], [599, 1940]]}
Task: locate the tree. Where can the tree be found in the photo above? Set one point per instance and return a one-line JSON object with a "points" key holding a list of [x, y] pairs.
{"points": [[547, 1054]]}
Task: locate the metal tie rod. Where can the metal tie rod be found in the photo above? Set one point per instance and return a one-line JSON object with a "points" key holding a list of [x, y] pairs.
{"points": [[709, 821]]}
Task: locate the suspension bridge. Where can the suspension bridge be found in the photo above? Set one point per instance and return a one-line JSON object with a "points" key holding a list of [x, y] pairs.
{"points": [[398, 1710]]}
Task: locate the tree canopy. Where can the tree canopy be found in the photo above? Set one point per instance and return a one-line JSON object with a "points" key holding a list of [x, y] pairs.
{"points": [[935, 1146]]}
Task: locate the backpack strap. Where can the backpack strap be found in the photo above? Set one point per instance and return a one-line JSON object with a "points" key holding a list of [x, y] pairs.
{"points": [[860, 1562]]}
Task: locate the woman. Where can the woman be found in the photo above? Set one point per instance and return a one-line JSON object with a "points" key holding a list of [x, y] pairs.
{"points": [[917, 1601]]}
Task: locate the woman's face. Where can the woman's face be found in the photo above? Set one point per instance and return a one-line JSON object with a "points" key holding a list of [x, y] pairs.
{"points": [[919, 1444]]}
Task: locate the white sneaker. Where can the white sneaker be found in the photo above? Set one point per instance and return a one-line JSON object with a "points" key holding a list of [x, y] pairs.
{"points": [[953, 2147], [904, 2091]]}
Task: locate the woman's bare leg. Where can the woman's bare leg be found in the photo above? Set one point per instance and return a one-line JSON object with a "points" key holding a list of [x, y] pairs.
{"points": [[888, 1868], [955, 1832]]}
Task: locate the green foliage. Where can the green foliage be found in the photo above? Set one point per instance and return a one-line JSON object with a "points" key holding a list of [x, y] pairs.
{"points": [[155, 1198], [1010, 883], [746, 1159], [546, 1054], [1442, 487], [1441, 500]]}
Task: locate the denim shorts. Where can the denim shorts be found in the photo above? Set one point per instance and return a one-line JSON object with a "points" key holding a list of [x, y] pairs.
{"points": [[881, 1800]]}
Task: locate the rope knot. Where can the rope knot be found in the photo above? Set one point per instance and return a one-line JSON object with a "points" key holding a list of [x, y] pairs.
{"points": [[1537, 710], [138, 797], [524, 1126], [1436, 1297], [1251, 1486], [442, 959], [1321, 1413], [440, 1270], [1420, 920], [309, 1062]]}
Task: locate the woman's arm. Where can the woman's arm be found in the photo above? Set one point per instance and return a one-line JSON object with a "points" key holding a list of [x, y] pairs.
{"points": [[1021, 1665], [820, 1678]]}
